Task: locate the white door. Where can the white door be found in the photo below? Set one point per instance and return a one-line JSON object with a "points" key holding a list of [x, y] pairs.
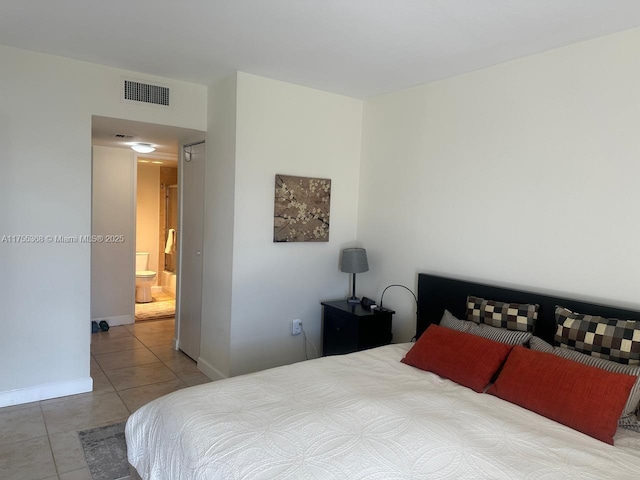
{"points": [[189, 308]]}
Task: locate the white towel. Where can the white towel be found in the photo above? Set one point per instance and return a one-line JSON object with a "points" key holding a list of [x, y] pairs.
{"points": [[170, 247]]}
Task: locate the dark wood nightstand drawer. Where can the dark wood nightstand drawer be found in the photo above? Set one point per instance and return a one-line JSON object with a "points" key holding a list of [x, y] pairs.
{"points": [[350, 328]]}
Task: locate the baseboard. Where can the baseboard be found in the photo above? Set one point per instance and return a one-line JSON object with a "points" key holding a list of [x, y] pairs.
{"points": [[45, 392], [209, 370], [156, 289], [115, 321]]}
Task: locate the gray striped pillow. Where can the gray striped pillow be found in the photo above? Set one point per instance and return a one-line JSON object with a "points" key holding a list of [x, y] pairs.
{"points": [[502, 335], [629, 417]]}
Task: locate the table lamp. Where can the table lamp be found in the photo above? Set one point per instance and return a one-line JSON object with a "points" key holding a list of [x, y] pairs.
{"points": [[354, 260]]}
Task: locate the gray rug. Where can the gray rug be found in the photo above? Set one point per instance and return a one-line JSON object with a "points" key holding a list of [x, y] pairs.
{"points": [[105, 450]]}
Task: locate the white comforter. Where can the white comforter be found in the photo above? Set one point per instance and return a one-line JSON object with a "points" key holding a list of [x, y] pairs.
{"points": [[360, 416]]}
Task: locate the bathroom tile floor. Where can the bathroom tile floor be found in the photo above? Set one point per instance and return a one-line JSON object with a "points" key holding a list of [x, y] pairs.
{"points": [[130, 366]]}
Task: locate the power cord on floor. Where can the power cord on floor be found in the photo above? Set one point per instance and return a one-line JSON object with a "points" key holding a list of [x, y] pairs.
{"points": [[305, 339]]}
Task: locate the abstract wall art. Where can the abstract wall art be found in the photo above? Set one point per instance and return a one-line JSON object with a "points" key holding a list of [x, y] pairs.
{"points": [[301, 212]]}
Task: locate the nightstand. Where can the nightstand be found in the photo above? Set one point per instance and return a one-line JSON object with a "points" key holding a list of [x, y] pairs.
{"points": [[350, 328]]}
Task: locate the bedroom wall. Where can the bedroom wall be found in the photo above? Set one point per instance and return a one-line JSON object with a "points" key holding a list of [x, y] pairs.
{"points": [[523, 174], [45, 188], [293, 130], [255, 287], [219, 213]]}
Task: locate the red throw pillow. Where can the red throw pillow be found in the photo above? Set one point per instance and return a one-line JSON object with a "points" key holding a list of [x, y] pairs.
{"points": [[462, 357], [585, 398]]}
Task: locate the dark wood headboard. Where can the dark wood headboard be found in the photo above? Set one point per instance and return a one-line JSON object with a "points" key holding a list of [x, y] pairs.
{"points": [[435, 294]]}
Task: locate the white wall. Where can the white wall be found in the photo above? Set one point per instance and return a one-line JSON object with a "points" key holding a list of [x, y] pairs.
{"points": [[524, 173], [112, 263], [254, 287], [45, 189], [148, 213], [220, 177], [288, 129]]}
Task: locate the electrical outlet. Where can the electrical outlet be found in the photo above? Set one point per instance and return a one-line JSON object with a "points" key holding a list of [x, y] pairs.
{"points": [[296, 326]]}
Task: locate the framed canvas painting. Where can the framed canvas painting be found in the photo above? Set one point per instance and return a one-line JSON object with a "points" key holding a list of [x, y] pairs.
{"points": [[301, 212]]}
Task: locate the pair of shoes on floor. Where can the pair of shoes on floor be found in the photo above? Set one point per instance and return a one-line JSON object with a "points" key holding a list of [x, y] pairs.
{"points": [[95, 326]]}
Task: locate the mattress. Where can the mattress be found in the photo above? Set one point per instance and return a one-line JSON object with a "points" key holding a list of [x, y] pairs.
{"points": [[360, 416]]}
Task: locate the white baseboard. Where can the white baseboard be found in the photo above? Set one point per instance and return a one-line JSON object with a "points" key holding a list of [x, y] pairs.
{"points": [[115, 321], [209, 370], [45, 392]]}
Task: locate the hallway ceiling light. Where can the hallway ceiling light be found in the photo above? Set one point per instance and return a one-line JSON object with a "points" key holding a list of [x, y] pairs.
{"points": [[142, 147]]}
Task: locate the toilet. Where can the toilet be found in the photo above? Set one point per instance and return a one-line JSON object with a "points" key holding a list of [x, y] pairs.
{"points": [[144, 278]]}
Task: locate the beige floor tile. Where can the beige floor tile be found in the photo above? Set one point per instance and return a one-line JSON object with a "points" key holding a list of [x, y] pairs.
{"points": [[28, 460], [93, 365], [166, 352], [134, 398], [195, 379], [82, 474], [128, 358], [22, 424], [84, 413], [130, 377], [67, 452], [139, 333], [101, 383], [113, 332], [155, 339], [182, 366], [117, 344], [130, 327], [19, 407], [146, 328]]}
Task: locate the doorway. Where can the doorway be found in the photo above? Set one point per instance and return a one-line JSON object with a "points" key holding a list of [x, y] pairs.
{"points": [[115, 136], [157, 219]]}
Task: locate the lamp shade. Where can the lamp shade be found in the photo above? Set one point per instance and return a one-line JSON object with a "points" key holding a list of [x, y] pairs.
{"points": [[354, 260]]}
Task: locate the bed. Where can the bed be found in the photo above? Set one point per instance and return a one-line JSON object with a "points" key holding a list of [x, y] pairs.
{"points": [[367, 415]]}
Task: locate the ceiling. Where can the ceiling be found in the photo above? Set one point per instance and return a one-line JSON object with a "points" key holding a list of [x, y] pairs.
{"points": [[164, 138], [359, 48]]}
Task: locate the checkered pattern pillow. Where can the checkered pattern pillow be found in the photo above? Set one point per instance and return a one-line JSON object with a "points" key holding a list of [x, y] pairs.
{"points": [[512, 316], [609, 338]]}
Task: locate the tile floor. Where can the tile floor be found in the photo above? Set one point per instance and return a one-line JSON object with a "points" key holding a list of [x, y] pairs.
{"points": [[130, 366]]}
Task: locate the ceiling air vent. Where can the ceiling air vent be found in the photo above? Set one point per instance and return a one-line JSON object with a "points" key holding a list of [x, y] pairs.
{"points": [[145, 92]]}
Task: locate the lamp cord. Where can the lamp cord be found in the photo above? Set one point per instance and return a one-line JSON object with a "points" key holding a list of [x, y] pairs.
{"points": [[305, 340], [406, 288]]}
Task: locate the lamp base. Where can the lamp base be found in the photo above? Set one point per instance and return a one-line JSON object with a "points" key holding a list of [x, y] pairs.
{"points": [[353, 300]]}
